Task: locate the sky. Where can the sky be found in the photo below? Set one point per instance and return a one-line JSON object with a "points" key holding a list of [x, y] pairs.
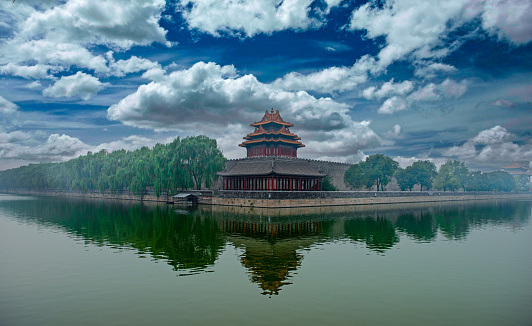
{"points": [[411, 79]]}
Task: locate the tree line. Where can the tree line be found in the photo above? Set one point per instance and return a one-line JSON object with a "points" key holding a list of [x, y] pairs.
{"points": [[191, 162], [378, 170]]}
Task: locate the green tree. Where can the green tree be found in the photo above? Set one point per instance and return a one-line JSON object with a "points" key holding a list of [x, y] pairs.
{"points": [[460, 172], [328, 184], [201, 159], [405, 178], [446, 178], [501, 181], [376, 170], [424, 172], [522, 182]]}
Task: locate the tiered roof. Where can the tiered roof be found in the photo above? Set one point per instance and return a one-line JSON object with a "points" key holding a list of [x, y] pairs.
{"points": [[516, 169], [272, 129], [265, 166]]}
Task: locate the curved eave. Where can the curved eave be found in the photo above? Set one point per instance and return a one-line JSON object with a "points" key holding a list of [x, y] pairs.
{"points": [[261, 123], [262, 140], [249, 136], [222, 174]]}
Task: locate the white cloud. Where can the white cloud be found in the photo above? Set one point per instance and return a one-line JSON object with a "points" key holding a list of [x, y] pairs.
{"points": [[48, 52], [420, 28], [80, 84], [503, 102], [34, 72], [129, 143], [22, 147], [7, 107], [25, 146], [65, 34], [400, 96], [212, 97], [492, 147], [392, 105], [434, 69], [330, 80], [434, 92], [33, 85], [388, 89], [395, 132], [491, 136], [120, 23], [249, 17], [407, 161], [134, 64], [509, 19], [408, 26]]}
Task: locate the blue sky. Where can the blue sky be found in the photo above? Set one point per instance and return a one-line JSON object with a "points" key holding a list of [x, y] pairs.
{"points": [[414, 80]]}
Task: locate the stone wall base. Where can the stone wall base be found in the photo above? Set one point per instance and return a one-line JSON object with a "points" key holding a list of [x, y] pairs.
{"points": [[317, 202]]}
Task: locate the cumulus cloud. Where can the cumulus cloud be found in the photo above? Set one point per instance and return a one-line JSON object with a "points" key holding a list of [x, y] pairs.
{"points": [[134, 64], [7, 107], [34, 72], [492, 146], [212, 97], [78, 85], [33, 85], [330, 80], [400, 96], [50, 52], [434, 92], [387, 89], [64, 34], [431, 70], [495, 135], [254, 17], [395, 132], [392, 105], [120, 23], [25, 146], [408, 26], [509, 20], [420, 29]]}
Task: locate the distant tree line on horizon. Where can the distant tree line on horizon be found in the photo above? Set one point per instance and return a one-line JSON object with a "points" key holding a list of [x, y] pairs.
{"points": [[191, 162], [378, 170]]}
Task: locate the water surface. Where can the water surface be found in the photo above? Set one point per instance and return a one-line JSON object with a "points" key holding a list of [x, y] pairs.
{"points": [[72, 261]]}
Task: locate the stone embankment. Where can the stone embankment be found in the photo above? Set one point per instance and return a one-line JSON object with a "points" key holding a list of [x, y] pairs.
{"points": [[286, 199], [282, 199]]}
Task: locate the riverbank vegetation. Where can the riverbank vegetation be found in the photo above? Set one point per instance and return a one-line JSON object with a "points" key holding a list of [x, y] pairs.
{"points": [[191, 162], [377, 171]]}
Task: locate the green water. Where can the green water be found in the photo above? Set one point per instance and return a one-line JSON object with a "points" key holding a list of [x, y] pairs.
{"points": [[80, 262]]}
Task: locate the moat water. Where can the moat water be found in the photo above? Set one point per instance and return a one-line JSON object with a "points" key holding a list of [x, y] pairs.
{"points": [[96, 262]]}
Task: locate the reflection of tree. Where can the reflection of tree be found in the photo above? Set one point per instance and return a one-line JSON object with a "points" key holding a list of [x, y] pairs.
{"points": [[184, 241], [419, 226], [272, 246], [453, 223], [378, 233]]}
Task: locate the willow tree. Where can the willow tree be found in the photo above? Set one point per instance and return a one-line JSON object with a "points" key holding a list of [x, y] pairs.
{"points": [[201, 159]]}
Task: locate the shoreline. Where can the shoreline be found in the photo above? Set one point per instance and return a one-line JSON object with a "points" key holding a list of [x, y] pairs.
{"points": [[271, 199]]}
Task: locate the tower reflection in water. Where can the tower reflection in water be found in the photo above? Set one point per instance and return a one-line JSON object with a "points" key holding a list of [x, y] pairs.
{"points": [[271, 250], [273, 242]]}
